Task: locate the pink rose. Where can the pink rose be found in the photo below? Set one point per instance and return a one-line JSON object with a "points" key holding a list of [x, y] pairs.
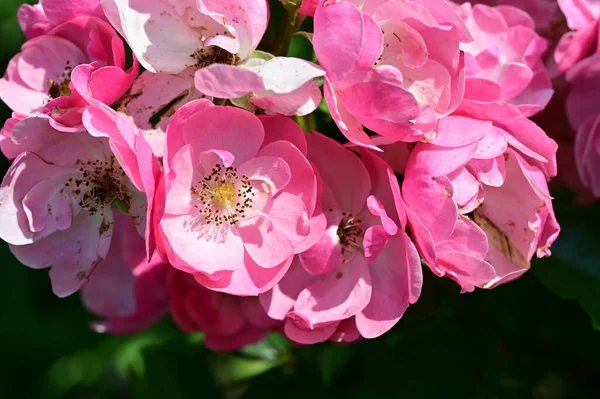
{"points": [[582, 18], [56, 202], [239, 198], [504, 62], [399, 69], [39, 19], [228, 322], [478, 211], [343, 284], [169, 36], [38, 79], [583, 113]]}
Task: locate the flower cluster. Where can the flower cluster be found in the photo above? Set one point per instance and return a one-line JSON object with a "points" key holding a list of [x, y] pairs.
{"points": [[179, 182]]}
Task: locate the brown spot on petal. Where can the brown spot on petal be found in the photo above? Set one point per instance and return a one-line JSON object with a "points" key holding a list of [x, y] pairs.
{"points": [[104, 227], [339, 275], [81, 275], [500, 240], [448, 192]]}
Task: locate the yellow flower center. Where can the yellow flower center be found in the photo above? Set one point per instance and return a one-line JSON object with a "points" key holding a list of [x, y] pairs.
{"points": [[224, 194]]}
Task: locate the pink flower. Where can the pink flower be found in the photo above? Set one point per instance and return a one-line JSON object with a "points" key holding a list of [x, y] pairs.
{"points": [[38, 79], [582, 18], [228, 322], [504, 62], [543, 12], [308, 7], [9, 148], [39, 19], [238, 197], [153, 100], [56, 202], [171, 35], [478, 211], [364, 272], [399, 70], [584, 115], [127, 290]]}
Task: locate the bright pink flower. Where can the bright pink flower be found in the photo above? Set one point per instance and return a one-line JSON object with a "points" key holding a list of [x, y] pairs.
{"points": [[308, 7], [38, 79], [399, 68], [39, 19], [228, 322], [582, 18], [56, 202], [171, 35], [364, 272], [504, 62], [238, 197], [477, 209], [282, 85], [127, 290]]}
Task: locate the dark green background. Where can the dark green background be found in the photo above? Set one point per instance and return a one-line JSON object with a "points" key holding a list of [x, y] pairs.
{"points": [[522, 340]]}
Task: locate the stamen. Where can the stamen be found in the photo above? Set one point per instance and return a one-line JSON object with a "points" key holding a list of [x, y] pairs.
{"points": [[349, 233], [224, 197], [209, 55], [60, 86], [101, 183]]}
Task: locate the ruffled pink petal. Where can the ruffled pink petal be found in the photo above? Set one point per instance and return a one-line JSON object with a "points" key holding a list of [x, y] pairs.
{"points": [[397, 278], [337, 295]]}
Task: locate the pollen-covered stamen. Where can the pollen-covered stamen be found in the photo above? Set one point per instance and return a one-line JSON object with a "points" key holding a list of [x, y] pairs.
{"points": [[60, 86], [224, 196], [350, 233], [209, 55], [101, 183]]}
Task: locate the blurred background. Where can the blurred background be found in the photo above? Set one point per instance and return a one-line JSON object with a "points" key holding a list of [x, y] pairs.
{"points": [[534, 338]]}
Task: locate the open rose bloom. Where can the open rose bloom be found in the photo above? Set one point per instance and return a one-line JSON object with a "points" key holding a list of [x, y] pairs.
{"points": [[170, 158]]}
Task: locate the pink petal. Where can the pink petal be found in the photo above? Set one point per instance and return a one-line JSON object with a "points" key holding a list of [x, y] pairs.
{"points": [[397, 278]]}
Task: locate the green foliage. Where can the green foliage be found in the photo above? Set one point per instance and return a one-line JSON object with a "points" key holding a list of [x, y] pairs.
{"points": [[573, 272]]}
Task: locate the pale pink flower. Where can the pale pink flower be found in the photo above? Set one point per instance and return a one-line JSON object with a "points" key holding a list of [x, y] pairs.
{"points": [[153, 100], [364, 272], [477, 209], [56, 202], [38, 79], [239, 198], [504, 62], [169, 36], [582, 41], [38, 19], [399, 68], [228, 322], [127, 290]]}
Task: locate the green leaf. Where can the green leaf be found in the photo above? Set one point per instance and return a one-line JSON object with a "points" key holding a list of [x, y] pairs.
{"points": [[572, 282], [273, 347], [333, 360], [573, 271], [230, 369]]}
